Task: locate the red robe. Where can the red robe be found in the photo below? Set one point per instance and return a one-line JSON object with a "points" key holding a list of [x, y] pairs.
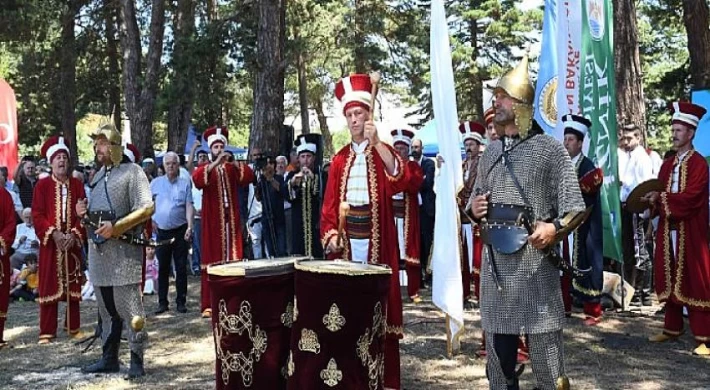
{"points": [[221, 225], [412, 234], [47, 217], [685, 281], [381, 188], [412, 231], [7, 236]]}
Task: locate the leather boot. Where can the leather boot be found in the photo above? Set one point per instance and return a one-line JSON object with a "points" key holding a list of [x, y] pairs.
{"points": [[108, 361], [136, 370], [109, 357]]}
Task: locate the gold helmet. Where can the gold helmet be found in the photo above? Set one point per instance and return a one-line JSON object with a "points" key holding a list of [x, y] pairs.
{"points": [[517, 85], [109, 131]]}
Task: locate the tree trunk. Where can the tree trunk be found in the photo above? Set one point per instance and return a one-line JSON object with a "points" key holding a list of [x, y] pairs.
{"points": [[111, 18], [141, 88], [360, 54], [267, 122], [324, 130], [180, 112], [303, 93], [67, 76], [630, 107], [695, 18], [476, 97]]}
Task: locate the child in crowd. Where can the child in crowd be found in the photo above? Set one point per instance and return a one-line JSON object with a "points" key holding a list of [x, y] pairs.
{"points": [[151, 272], [27, 281]]}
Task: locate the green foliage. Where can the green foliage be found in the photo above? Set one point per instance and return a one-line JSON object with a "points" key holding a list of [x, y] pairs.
{"points": [[340, 138], [665, 63]]}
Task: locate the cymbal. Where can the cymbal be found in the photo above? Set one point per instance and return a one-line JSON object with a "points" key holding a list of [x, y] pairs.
{"points": [[634, 202]]}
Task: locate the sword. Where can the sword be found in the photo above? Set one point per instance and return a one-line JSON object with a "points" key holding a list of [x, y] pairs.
{"points": [[554, 257]]}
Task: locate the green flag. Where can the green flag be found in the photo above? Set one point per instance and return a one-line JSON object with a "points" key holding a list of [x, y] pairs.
{"points": [[598, 103]]}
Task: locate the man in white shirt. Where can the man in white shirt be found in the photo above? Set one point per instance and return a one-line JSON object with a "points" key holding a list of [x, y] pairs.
{"points": [[635, 167], [26, 242]]}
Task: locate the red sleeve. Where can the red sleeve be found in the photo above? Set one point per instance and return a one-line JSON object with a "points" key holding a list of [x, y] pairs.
{"points": [[685, 204], [398, 182], [7, 221], [245, 175], [41, 210], [200, 177], [76, 226], [416, 177], [331, 202]]}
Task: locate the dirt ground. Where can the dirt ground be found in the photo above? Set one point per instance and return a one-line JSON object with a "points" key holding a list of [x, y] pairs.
{"points": [[614, 355]]}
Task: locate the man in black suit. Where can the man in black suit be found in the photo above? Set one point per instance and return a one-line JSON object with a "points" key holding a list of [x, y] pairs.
{"points": [[427, 199]]}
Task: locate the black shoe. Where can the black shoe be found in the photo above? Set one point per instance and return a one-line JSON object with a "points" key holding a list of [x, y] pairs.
{"points": [[107, 363], [181, 309], [136, 369], [161, 309]]}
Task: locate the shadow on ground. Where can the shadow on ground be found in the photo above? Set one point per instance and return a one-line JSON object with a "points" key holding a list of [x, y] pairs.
{"points": [[614, 355]]}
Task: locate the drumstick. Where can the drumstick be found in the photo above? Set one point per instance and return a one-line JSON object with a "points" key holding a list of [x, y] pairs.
{"points": [[374, 79], [344, 210]]}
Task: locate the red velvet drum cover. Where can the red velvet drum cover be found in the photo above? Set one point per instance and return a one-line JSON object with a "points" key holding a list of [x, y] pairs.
{"points": [[338, 335], [252, 315]]}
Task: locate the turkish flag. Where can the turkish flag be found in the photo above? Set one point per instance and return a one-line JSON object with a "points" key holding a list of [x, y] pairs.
{"points": [[8, 127]]}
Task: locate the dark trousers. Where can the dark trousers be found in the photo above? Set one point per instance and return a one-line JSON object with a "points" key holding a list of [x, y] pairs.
{"points": [[25, 294], [177, 252], [275, 248], [426, 223], [196, 242], [637, 261]]}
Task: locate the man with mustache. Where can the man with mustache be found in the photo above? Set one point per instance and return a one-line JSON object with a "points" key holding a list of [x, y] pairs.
{"points": [[62, 239], [682, 266], [472, 133], [406, 213], [583, 248], [120, 204], [526, 191], [305, 189], [221, 228]]}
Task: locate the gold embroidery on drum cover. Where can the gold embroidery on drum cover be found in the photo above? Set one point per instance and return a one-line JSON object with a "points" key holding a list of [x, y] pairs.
{"points": [[290, 367], [239, 362], [287, 317], [295, 309], [333, 321], [331, 375], [375, 365], [309, 341]]}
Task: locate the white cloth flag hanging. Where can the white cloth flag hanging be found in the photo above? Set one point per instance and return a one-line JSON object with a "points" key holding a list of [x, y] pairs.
{"points": [[447, 288]]}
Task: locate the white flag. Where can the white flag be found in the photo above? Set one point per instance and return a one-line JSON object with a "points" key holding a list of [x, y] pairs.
{"points": [[447, 289]]}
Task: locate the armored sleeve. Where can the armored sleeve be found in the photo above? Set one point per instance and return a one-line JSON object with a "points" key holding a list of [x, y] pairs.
{"points": [[141, 202]]}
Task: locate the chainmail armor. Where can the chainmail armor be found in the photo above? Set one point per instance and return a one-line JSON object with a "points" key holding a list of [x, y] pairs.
{"points": [[530, 301], [116, 263]]}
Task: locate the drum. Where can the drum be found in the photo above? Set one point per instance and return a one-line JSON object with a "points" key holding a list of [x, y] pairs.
{"points": [[339, 326], [252, 315]]}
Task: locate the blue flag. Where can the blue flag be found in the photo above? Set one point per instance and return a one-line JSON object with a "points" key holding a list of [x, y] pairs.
{"points": [[546, 86]]}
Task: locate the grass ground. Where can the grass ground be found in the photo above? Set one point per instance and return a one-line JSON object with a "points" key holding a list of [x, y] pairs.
{"points": [[613, 355]]}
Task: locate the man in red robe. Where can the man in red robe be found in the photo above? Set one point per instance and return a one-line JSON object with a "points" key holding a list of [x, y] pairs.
{"points": [[365, 174], [62, 238], [7, 237], [406, 213], [682, 266], [472, 136], [221, 226]]}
